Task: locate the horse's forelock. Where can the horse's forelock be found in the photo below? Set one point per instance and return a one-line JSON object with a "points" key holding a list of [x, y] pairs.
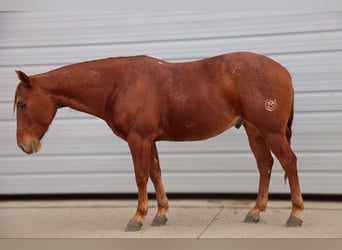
{"points": [[16, 98]]}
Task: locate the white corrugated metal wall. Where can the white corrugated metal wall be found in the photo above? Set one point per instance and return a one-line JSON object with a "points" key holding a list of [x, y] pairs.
{"points": [[80, 154]]}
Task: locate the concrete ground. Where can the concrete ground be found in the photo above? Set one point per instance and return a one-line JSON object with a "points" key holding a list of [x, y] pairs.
{"points": [[187, 219]]}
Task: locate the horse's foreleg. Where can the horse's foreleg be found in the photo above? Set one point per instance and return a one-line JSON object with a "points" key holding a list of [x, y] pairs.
{"points": [[264, 161], [288, 160], [141, 154], [155, 175]]}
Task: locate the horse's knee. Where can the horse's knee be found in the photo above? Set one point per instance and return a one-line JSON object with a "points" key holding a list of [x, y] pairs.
{"points": [[290, 164], [155, 174], [268, 163], [265, 166], [141, 181]]}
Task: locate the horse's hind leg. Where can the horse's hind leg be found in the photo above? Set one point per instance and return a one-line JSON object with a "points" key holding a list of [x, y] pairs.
{"points": [[282, 150], [155, 175], [264, 161]]}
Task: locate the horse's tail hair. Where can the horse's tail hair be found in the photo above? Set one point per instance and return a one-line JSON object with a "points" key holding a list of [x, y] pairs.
{"points": [[290, 120], [289, 125], [289, 133]]}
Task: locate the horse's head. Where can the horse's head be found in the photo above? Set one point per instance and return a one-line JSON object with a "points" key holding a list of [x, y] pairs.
{"points": [[35, 111]]}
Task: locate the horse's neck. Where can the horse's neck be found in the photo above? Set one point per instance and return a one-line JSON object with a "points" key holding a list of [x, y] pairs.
{"points": [[84, 93]]}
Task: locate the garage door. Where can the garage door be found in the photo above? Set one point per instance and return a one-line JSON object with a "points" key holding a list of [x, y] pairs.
{"points": [[80, 154]]}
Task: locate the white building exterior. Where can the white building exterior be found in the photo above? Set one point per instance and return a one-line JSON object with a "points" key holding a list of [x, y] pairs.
{"points": [[81, 155]]}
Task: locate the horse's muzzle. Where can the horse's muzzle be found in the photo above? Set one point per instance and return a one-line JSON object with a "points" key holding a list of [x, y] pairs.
{"points": [[32, 147]]}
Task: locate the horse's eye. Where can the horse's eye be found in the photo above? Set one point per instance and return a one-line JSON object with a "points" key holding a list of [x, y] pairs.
{"points": [[22, 105]]}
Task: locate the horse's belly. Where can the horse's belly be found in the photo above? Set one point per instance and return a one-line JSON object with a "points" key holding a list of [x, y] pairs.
{"points": [[192, 130]]}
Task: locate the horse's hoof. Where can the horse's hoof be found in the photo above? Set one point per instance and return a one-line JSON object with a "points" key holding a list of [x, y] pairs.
{"points": [[159, 221], [250, 218], [294, 222], [133, 226]]}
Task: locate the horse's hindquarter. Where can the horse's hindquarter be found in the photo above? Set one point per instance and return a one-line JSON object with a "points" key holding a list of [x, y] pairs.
{"points": [[264, 89]]}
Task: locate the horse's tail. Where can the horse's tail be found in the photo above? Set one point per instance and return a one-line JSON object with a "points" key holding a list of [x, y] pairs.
{"points": [[290, 120], [289, 125], [289, 128]]}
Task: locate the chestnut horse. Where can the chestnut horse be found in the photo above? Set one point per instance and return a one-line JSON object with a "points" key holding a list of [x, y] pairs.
{"points": [[145, 100]]}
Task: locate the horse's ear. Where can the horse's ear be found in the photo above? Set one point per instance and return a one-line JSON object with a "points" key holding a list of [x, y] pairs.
{"points": [[23, 78]]}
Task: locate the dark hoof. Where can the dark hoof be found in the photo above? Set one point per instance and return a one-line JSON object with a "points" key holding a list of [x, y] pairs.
{"points": [[133, 226], [251, 219], [159, 221], [294, 222]]}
